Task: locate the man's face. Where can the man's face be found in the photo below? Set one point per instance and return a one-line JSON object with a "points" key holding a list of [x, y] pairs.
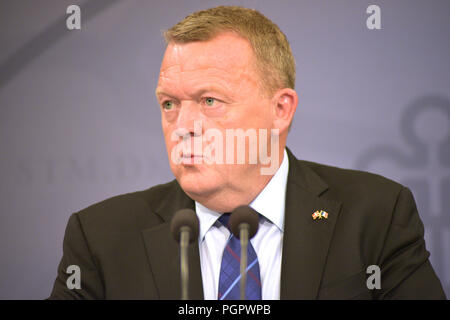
{"points": [[213, 83]]}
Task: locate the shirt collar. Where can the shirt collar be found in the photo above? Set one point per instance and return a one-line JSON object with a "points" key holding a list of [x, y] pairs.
{"points": [[206, 217], [270, 202]]}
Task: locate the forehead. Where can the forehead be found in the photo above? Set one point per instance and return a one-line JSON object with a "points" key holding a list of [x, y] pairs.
{"points": [[226, 54]]}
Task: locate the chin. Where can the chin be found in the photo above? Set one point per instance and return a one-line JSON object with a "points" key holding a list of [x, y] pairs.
{"points": [[197, 185]]}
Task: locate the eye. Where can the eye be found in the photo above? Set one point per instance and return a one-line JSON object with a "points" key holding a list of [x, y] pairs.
{"points": [[210, 101], [168, 105]]}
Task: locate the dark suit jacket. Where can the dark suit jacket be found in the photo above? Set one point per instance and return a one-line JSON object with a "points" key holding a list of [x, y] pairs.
{"points": [[125, 250]]}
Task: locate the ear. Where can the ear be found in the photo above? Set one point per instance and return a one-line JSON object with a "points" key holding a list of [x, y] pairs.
{"points": [[285, 103]]}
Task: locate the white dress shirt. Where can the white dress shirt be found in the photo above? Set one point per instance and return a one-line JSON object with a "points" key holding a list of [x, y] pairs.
{"points": [[267, 242]]}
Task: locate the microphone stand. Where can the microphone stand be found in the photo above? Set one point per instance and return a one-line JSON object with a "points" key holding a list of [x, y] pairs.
{"points": [[243, 235], [184, 242]]}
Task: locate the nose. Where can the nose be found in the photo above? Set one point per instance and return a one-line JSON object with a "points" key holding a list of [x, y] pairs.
{"points": [[189, 120]]}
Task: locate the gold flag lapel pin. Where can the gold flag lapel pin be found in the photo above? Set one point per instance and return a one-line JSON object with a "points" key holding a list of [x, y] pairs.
{"points": [[320, 214]]}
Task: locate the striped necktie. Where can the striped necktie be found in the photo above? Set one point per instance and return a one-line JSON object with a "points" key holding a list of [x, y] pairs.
{"points": [[229, 278]]}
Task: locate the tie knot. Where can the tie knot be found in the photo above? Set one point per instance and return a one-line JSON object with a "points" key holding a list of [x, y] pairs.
{"points": [[224, 220]]}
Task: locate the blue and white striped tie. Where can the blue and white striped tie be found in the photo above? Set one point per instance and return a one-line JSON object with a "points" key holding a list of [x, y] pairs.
{"points": [[229, 279]]}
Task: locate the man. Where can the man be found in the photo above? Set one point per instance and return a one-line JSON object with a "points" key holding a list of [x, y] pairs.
{"points": [[230, 69]]}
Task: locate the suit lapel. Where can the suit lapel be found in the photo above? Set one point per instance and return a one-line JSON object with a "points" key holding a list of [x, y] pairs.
{"points": [[163, 252], [305, 241]]}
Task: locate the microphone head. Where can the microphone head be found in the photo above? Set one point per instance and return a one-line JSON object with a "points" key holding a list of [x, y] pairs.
{"points": [[244, 214], [185, 218]]}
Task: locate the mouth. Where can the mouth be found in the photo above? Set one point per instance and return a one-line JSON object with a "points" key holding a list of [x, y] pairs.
{"points": [[191, 159], [188, 155]]}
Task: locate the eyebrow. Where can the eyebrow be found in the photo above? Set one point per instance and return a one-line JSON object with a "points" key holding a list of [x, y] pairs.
{"points": [[159, 92], [199, 92]]}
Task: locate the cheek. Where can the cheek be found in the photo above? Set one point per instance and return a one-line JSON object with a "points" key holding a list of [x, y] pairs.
{"points": [[167, 132], [255, 116], [168, 117]]}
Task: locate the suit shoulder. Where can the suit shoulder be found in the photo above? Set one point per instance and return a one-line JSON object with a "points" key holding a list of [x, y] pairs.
{"points": [[355, 181], [135, 208], [368, 200]]}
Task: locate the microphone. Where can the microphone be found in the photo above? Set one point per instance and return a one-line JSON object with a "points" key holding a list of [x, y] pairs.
{"points": [[244, 222], [184, 228]]}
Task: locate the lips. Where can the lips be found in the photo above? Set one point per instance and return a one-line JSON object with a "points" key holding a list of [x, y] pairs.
{"points": [[189, 153], [191, 159], [192, 156]]}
